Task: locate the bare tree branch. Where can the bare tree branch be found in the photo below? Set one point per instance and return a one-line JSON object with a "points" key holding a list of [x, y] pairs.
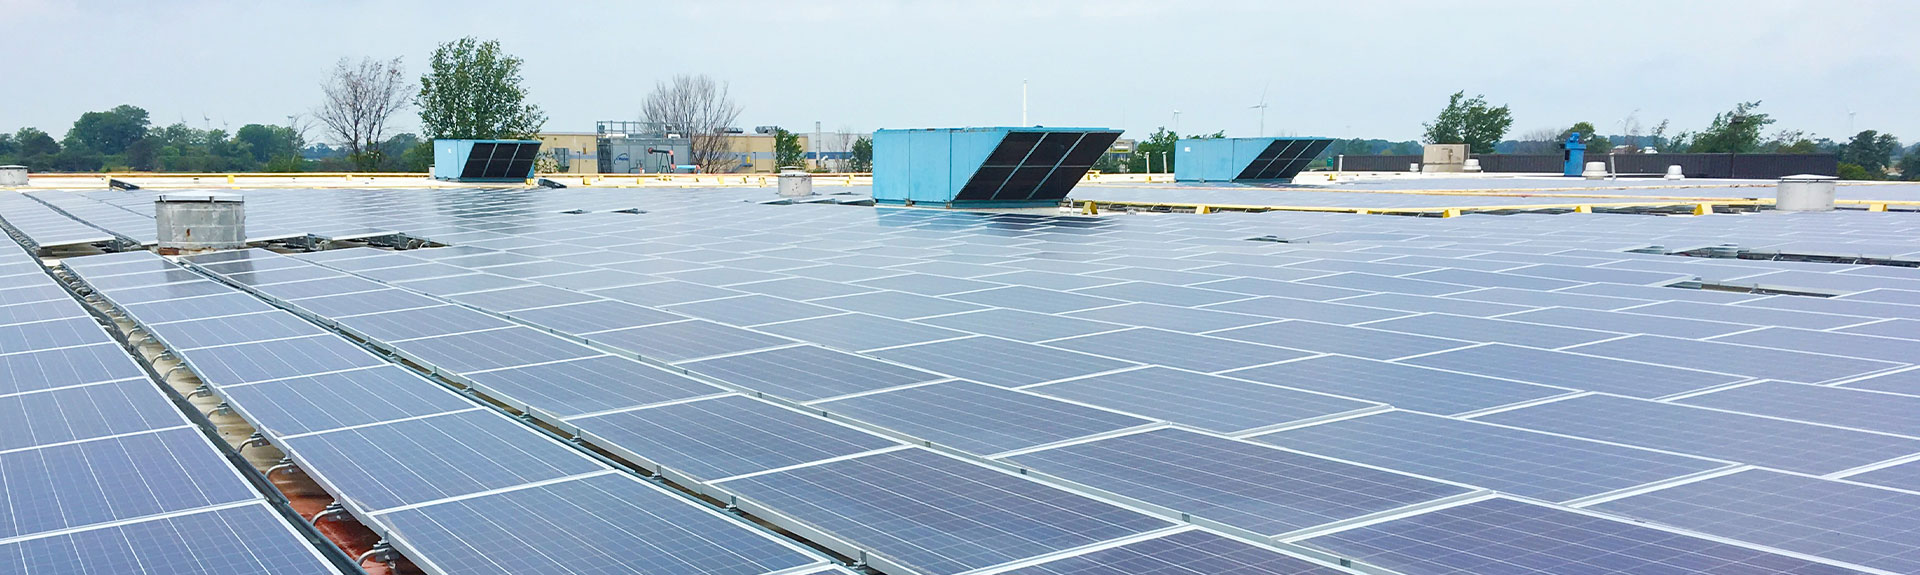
{"points": [[359, 102], [697, 108]]}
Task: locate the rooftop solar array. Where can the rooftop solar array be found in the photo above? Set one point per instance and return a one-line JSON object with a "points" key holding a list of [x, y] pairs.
{"points": [[431, 471], [1356, 378], [100, 469]]}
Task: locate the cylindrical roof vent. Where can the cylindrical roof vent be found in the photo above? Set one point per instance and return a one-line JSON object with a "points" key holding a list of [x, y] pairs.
{"points": [[195, 222], [13, 175], [795, 183], [1805, 193]]}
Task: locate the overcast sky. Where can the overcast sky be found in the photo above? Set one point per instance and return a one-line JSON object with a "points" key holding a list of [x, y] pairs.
{"points": [[1350, 68]]}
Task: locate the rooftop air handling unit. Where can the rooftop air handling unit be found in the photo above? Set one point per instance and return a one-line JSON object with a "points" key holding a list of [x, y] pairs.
{"points": [[1244, 159], [484, 160], [983, 167]]}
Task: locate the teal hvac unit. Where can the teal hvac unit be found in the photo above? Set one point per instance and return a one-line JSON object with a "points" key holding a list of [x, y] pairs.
{"points": [[484, 160], [983, 167], [1244, 159]]}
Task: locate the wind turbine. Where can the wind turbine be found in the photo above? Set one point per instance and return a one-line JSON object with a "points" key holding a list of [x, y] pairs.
{"points": [[1263, 110]]}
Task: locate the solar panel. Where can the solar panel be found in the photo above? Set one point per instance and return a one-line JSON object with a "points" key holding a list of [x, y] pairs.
{"points": [[229, 330], [320, 287], [1903, 476], [937, 514], [419, 271], [84, 412], [1901, 328], [62, 367], [30, 294], [858, 332], [69, 332], [1388, 284], [1750, 315], [726, 436], [459, 284], [193, 308], [982, 419], [519, 298], [1207, 402], [1744, 360], [897, 305], [751, 309], [38, 311], [1506, 536], [1019, 325], [277, 359], [681, 341], [1328, 338], [421, 460], [608, 523], [403, 325], [245, 539], [1525, 463], [1848, 522], [344, 399], [1000, 362], [1492, 330], [1418, 303], [1708, 433], [1183, 553], [1867, 410], [494, 349], [73, 485], [1574, 371], [1863, 346], [345, 305], [593, 316], [1253, 487], [1174, 318], [1403, 386], [1034, 299], [927, 284], [806, 372], [1174, 349], [593, 384]]}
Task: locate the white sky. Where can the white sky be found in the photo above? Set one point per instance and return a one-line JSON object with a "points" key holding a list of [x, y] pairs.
{"points": [[1352, 68]]}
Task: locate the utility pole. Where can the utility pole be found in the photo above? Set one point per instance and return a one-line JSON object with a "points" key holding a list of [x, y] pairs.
{"points": [[1023, 102], [1176, 122]]}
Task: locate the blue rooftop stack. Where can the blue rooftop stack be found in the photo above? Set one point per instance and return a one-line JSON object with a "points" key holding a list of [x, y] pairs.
{"points": [[1244, 159], [484, 160], [983, 167]]}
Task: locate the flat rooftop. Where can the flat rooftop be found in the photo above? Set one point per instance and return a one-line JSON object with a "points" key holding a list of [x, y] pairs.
{"points": [[711, 379]]}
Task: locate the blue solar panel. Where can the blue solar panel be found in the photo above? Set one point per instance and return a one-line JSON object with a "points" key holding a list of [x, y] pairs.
{"points": [[251, 362], [1513, 538], [726, 436], [1526, 463], [1868, 410], [519, 298], [594, 316], [603, 524], [1904, 476], [937, 514], [228, 330], [494, 349], [1207, 402], [857, 332], [1000, 362], [1627, 322], [420, 460], [1847, 344], [1744, 360], [1492, 330], [80, 330], [1854, 523], [1329, 338], [1174, 349], [982, 419], [33, 371], [78, 484], [230, 303], [1253, 487], [681, 341], [806, 372], [85, 412], [1707, 433], [1584, 372], [343, 399], [1192, 552], [1405, 387], [396, 326], [246, 539]]}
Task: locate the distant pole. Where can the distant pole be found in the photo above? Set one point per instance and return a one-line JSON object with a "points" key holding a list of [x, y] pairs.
{"points": [[1176, 122], [1023, 102], [1163, 163]]}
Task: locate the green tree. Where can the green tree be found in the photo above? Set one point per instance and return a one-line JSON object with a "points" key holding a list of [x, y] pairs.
{"points": [[263, 143], [112, 131], [1470, 121], [8, 147], [1160, 148], [1850, 171], [474, 91], [35, 143], [787, 152], [1910, 165], [418, 158], [860, 159], [1870, 150], [1734, 132], [1589, 135]]}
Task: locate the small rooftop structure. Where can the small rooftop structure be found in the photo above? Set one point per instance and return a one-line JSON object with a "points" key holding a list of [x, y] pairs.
{"points": [[983, 167], [1244, 159], [484, 160]]}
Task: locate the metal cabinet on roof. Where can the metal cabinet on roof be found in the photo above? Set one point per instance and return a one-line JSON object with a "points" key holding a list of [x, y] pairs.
{"points": [[1244, 159], [983, 167]]}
